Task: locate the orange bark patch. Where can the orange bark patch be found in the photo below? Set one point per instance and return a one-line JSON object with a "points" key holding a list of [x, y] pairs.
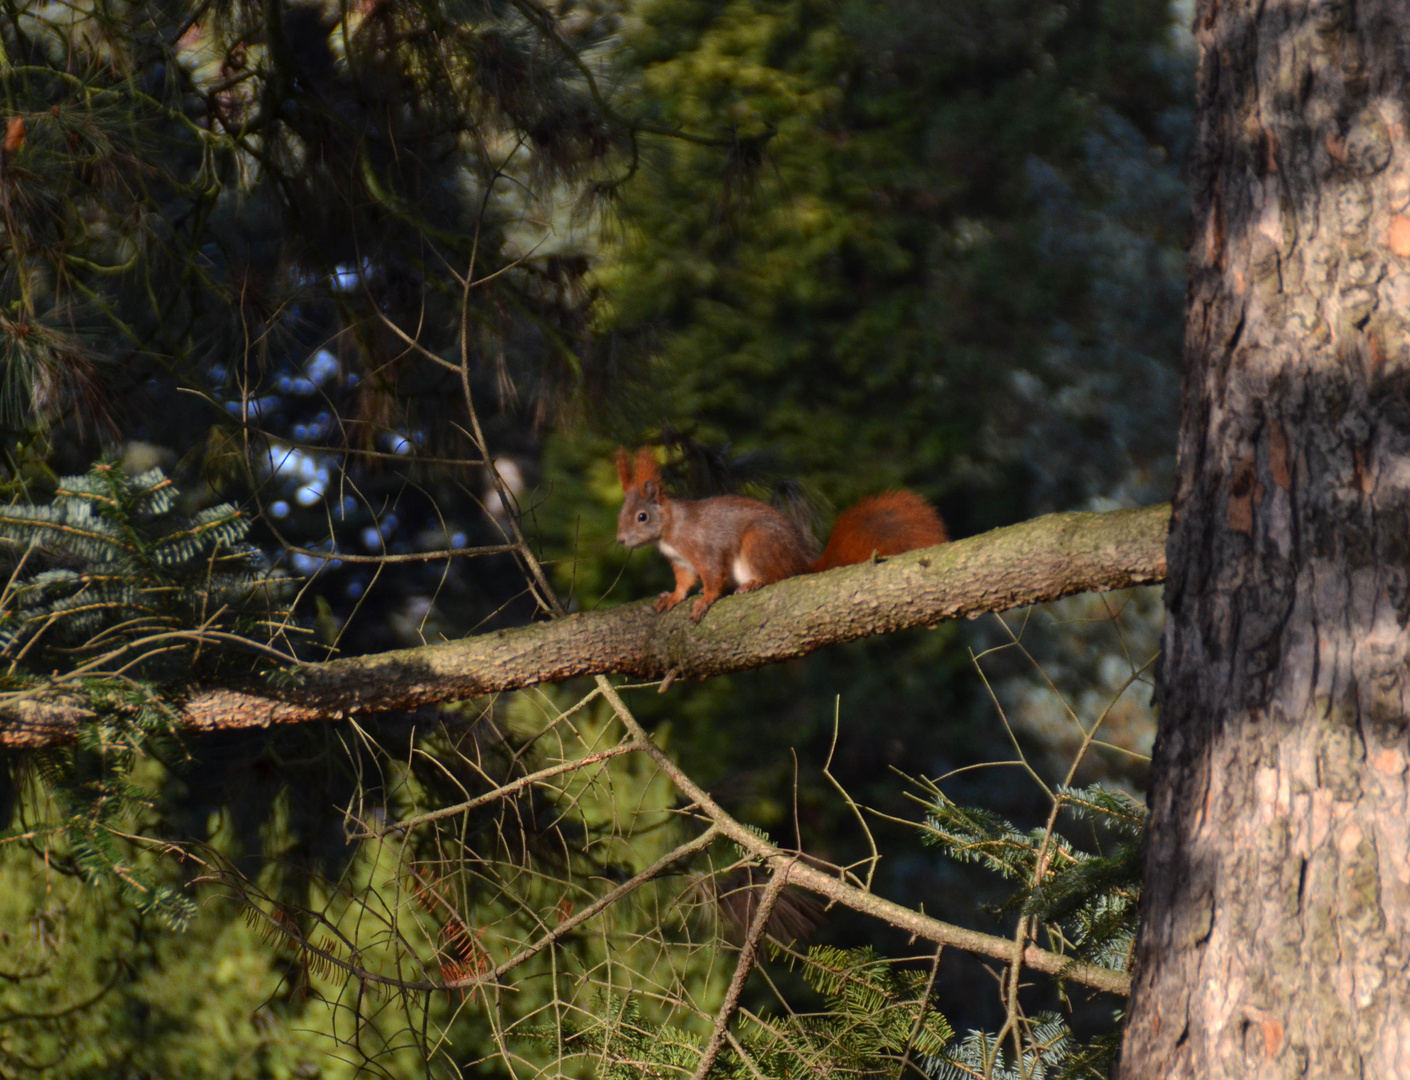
{"points": [[1272, 1036], [1350, 839], [1400, 236], [1241, 500], [1214, 233], [1375, 349], [1362, 480], [1278, 456], [1388, 762]]}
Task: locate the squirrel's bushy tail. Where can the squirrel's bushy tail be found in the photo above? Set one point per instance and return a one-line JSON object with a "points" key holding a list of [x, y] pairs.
{"points": [[887, 524]]}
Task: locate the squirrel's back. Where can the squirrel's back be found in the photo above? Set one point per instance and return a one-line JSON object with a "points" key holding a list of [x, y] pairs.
{"points": [[750, 540], [887, 524]]}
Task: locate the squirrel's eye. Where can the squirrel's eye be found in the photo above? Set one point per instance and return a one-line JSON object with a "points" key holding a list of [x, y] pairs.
{"points": [[641, 515]]}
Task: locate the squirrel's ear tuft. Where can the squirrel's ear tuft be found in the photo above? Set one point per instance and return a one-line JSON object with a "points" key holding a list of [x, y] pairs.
{"points": [[624, 468], [646, 466]]}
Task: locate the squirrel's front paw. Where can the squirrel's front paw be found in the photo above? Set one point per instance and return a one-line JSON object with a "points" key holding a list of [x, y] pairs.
{"points": [[698, 609], [666, 601]]}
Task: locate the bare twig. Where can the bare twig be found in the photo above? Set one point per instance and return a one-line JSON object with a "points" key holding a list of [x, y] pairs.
{"points": [[920, 1015], [742, 968], [503, 792], [867, 903]]}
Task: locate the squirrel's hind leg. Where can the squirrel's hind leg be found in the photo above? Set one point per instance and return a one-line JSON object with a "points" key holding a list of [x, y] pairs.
{"points": [[713, 582], [764, 559]]}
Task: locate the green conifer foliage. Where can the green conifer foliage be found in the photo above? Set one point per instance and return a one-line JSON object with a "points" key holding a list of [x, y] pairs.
{"points": [[114, 600], [877, 1017], [282, 248], [941, 228], [107, 576], [1086, 901]]}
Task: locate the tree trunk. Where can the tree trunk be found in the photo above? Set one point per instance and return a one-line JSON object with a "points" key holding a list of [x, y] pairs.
{"points": [[1276, 929]]}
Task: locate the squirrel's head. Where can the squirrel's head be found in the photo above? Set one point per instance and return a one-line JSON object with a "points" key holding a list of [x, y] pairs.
{"points": [[643, 506]]}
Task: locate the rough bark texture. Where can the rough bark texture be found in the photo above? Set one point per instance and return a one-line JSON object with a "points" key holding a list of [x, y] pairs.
{"points": [[1276, 926], [1038, 560]]}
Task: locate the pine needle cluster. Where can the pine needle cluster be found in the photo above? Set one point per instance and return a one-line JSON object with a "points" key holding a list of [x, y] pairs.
{"points": [[95, 795], [1085, 901], [112, 598], [1050, 1052], [108, 578], [876, 1012]]}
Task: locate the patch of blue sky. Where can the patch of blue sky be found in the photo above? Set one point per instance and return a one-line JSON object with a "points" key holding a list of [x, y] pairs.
{"points": [[307, 473], [254, 408], [310, 564], [374, 537], [317, 428], [398, 443], [317, 370], [322, 366], [346, 276]]}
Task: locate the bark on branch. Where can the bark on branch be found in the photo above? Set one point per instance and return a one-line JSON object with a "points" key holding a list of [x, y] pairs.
{"points": [[1043, 559]]}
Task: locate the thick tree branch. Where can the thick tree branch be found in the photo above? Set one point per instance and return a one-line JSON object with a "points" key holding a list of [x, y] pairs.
{"points": [[1043, 559]]}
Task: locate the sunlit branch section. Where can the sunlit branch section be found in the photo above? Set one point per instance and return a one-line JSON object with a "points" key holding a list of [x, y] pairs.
{"points": [[1039, 560]]}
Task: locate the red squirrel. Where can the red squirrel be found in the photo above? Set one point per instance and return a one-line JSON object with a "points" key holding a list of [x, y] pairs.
{"points": [[730, 540]]}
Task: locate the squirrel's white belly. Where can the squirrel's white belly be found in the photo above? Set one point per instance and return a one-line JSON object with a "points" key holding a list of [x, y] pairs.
{"points": [[739, 569], [742, 571], [671, 553]]}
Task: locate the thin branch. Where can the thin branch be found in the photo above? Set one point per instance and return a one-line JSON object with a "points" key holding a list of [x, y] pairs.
{"points": [[920, 1015], [859, 900], [498, 793], [851, 803], [745, 965], [557, 933]]}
